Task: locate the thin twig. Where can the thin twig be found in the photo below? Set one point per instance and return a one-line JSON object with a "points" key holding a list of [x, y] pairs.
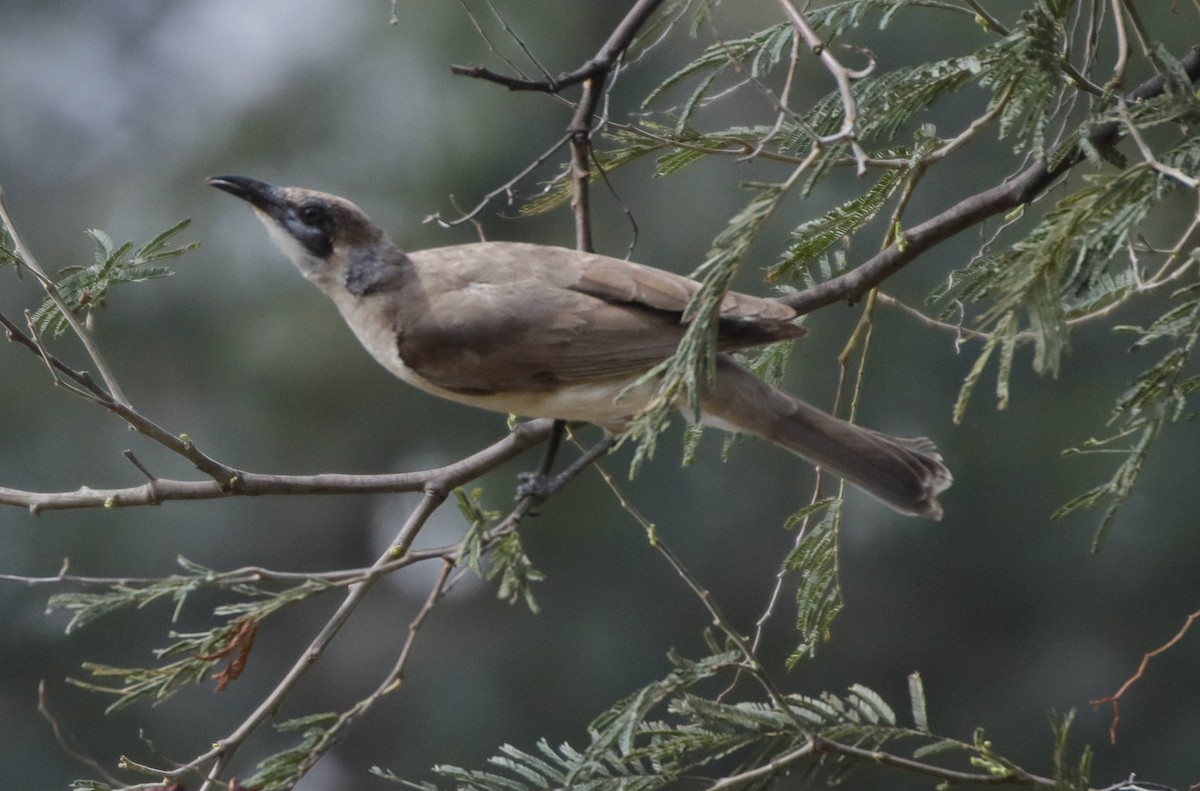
{"points": [[224, 750], [226, 481], [64, 743], [1147, 154], [599, 65], [238, 576], [579, 133], [391, 680], [987, 18], [1022, 189], [226, 477], [505, 188], [770, 767], [592, 75], [1144, 39], [843, 77], [782, 110], [40, 349], [1115, 698], [1118, 76], [79, 382], [512, 34], [85, 337], [1014, 777], [749, 661], [780, 102]]}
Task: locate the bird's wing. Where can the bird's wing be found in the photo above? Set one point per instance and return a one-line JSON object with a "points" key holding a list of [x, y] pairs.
{"points": [[501, 317], [614, 280]]}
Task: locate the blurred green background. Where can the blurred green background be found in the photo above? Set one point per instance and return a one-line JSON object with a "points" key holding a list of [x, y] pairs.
{"points": [[114, 113]]}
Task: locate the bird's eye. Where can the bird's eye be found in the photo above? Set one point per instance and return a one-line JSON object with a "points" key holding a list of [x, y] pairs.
{"points": [[312, 214]]}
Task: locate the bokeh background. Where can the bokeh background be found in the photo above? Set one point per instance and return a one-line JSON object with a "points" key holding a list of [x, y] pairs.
{"points": [[114, 113]]}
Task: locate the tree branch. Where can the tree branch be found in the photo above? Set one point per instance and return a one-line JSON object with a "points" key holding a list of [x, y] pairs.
{"points": [[600, 65], [82, 385], [593, 75], [844, 79], [1016, 777], [85, 337], [223, 751], [1022, 189], [391, 682], [523, 436], [228, 482]]}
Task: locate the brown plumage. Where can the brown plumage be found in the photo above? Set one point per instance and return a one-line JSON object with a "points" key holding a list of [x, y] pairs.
{"points": [[544, 331], [497, 317]]}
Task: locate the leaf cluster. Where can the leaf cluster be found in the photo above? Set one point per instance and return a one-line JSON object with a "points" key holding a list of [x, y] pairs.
{"points": [[667, 731], [504, 554], [1085, 256], [814, 561], [282, 770], [85, 288], [192, 657], [1157, 397]]}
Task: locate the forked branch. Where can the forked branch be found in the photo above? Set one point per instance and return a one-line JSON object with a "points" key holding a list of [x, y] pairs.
{"points": [[1023, 188]]}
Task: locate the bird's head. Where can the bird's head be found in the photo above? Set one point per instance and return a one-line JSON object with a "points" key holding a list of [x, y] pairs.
{"points": [[321, 233]]}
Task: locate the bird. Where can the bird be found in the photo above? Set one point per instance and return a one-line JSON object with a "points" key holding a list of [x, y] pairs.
{"points": [[541, 331]]}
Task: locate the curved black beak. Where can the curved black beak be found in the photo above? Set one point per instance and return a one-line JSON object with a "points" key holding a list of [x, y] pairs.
{"points": [[257, 193]]}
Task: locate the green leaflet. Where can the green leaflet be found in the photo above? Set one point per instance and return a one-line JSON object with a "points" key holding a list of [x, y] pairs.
{"points": [[86, 288]]}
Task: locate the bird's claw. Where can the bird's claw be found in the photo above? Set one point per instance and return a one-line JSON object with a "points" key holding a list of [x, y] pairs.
{"points": [[536, 485]]}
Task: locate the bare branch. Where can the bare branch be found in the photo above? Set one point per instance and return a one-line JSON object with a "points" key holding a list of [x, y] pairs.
{"points": [[228, 482], [600, 65], [1115, 698], [64, 743], [392, 680], [593, 75], [842, 76], [223, 751], [512, 34], [160, 490], [1147, 154], [225, 477]]}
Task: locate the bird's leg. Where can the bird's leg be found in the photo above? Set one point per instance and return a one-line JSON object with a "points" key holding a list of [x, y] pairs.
{"points": [[541, 484], [552, 446], [534, 484]]}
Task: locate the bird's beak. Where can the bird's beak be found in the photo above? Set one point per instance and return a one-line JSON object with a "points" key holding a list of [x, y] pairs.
{"points": [[259, 194]]}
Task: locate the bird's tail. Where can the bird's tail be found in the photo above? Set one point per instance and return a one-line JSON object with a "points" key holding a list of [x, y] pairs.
{"points": [[905, 474]]}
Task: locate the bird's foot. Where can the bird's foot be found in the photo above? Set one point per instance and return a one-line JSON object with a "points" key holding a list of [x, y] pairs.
{"points": [[537, 485]]}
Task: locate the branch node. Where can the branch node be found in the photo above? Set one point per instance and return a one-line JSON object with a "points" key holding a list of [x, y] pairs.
{"points": [[128, 454]]}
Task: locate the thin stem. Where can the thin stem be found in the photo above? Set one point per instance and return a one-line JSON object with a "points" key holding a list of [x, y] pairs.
{"points": [[1115, 699], [505, 188], [1118, 75], [85, 337], [391, 680], [600, 64], [842, 76], [770, 767], [224, 750], [971, 211]]}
